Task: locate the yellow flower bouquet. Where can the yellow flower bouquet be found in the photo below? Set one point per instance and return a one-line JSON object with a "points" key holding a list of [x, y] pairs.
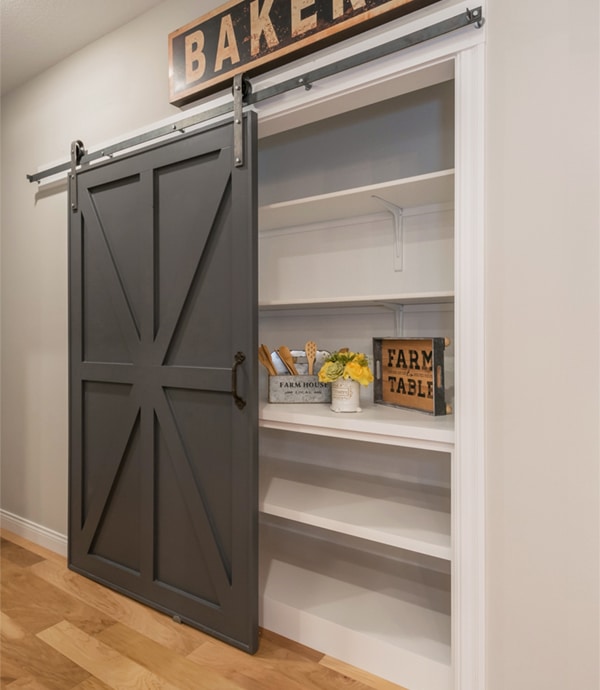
{"points": [[347, 365]]}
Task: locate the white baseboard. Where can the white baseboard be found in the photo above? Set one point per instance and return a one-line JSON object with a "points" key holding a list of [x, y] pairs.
{"points": [[38, 534]]}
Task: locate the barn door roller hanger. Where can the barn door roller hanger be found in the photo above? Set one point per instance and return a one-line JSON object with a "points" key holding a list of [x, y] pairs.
{"points": [[243, 95]]}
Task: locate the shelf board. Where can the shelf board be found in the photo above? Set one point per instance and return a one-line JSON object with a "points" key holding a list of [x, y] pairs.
{"points": [[395, 637], [442, 297], [378, 510], [436, 187], [374, 424]]}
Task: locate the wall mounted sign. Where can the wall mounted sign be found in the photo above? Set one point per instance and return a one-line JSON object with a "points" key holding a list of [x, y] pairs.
{"points": [[250, 36]]}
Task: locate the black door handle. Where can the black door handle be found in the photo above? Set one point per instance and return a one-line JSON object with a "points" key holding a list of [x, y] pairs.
{"points": [[239, 358]]}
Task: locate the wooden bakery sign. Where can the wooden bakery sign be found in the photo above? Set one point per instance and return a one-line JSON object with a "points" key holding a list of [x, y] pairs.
{"points": [[251, 35]]}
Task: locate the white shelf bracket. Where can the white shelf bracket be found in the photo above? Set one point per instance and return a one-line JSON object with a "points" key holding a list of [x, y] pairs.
{"points": [[398, 216], [398, 311]]}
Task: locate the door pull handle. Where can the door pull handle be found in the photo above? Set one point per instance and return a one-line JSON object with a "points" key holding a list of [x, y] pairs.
{"points": [[238, 359]]}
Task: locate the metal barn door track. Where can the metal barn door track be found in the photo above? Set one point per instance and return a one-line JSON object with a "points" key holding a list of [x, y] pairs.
{"points": [[242, 94]]}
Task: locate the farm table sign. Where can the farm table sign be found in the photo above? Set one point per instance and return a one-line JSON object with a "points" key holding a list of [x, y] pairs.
{"points": [[250, 36], [409, 372]]}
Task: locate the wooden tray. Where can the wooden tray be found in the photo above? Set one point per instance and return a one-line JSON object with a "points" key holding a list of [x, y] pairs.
{"points": [[409, 372]]}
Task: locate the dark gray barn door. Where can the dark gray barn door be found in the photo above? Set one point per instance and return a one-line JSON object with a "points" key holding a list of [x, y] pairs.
{"points": [[163, 498]]}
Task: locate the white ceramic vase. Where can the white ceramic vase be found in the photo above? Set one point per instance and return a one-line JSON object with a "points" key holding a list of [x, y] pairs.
{"points": [[345, 395]]}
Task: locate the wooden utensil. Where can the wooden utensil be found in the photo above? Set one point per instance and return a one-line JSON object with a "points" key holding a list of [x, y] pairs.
{"points": [[286, 357], [264, 357], [310, 350]]}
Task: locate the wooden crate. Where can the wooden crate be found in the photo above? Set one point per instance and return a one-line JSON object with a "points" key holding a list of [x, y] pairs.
{"points": [[409, 372]]}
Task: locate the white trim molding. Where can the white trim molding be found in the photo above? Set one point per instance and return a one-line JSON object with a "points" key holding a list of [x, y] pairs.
{"points": [[468, 467], [38, 534]]}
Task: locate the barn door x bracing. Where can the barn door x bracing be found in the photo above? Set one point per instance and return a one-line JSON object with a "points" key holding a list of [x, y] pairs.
{"points": [[163, 412]]}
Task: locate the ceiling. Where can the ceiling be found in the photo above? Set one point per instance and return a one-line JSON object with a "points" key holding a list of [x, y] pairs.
{"points": [[36, 34]]}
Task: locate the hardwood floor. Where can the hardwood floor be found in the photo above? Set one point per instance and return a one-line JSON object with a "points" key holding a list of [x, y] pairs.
{"points": [[60, 631]]}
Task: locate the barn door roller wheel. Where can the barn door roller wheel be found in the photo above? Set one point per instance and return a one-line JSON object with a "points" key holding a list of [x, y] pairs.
{"points": [[242, 88], [77, 153]]}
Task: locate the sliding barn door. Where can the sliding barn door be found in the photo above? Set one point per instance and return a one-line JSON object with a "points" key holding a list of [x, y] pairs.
{"points": [[163, 411]]}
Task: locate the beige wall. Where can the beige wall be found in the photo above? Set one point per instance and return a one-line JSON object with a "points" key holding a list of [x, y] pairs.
{"points": [[115, 85], [542, 345], [542, 309]]}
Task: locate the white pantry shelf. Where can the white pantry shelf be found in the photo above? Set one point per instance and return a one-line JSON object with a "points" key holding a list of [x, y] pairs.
{"points": [[388, 620], [431, 188], [372, 508], [374, 424], [441, 297]]}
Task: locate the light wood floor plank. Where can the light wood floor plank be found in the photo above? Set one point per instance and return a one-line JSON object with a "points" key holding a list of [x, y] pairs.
{"points": [[35, 604], [31, 657], [26, 683], [154, 625], [61, 631], [10, 629], [358, 674], [273, 667], [251, 673], [100, 660], [279, 646], [185, 674], [9, 570], [17, 554], [33, 548], [92, 684]]}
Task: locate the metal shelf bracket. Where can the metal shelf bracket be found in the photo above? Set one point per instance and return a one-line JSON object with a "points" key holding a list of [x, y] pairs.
{"points": [[398, 216]]}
